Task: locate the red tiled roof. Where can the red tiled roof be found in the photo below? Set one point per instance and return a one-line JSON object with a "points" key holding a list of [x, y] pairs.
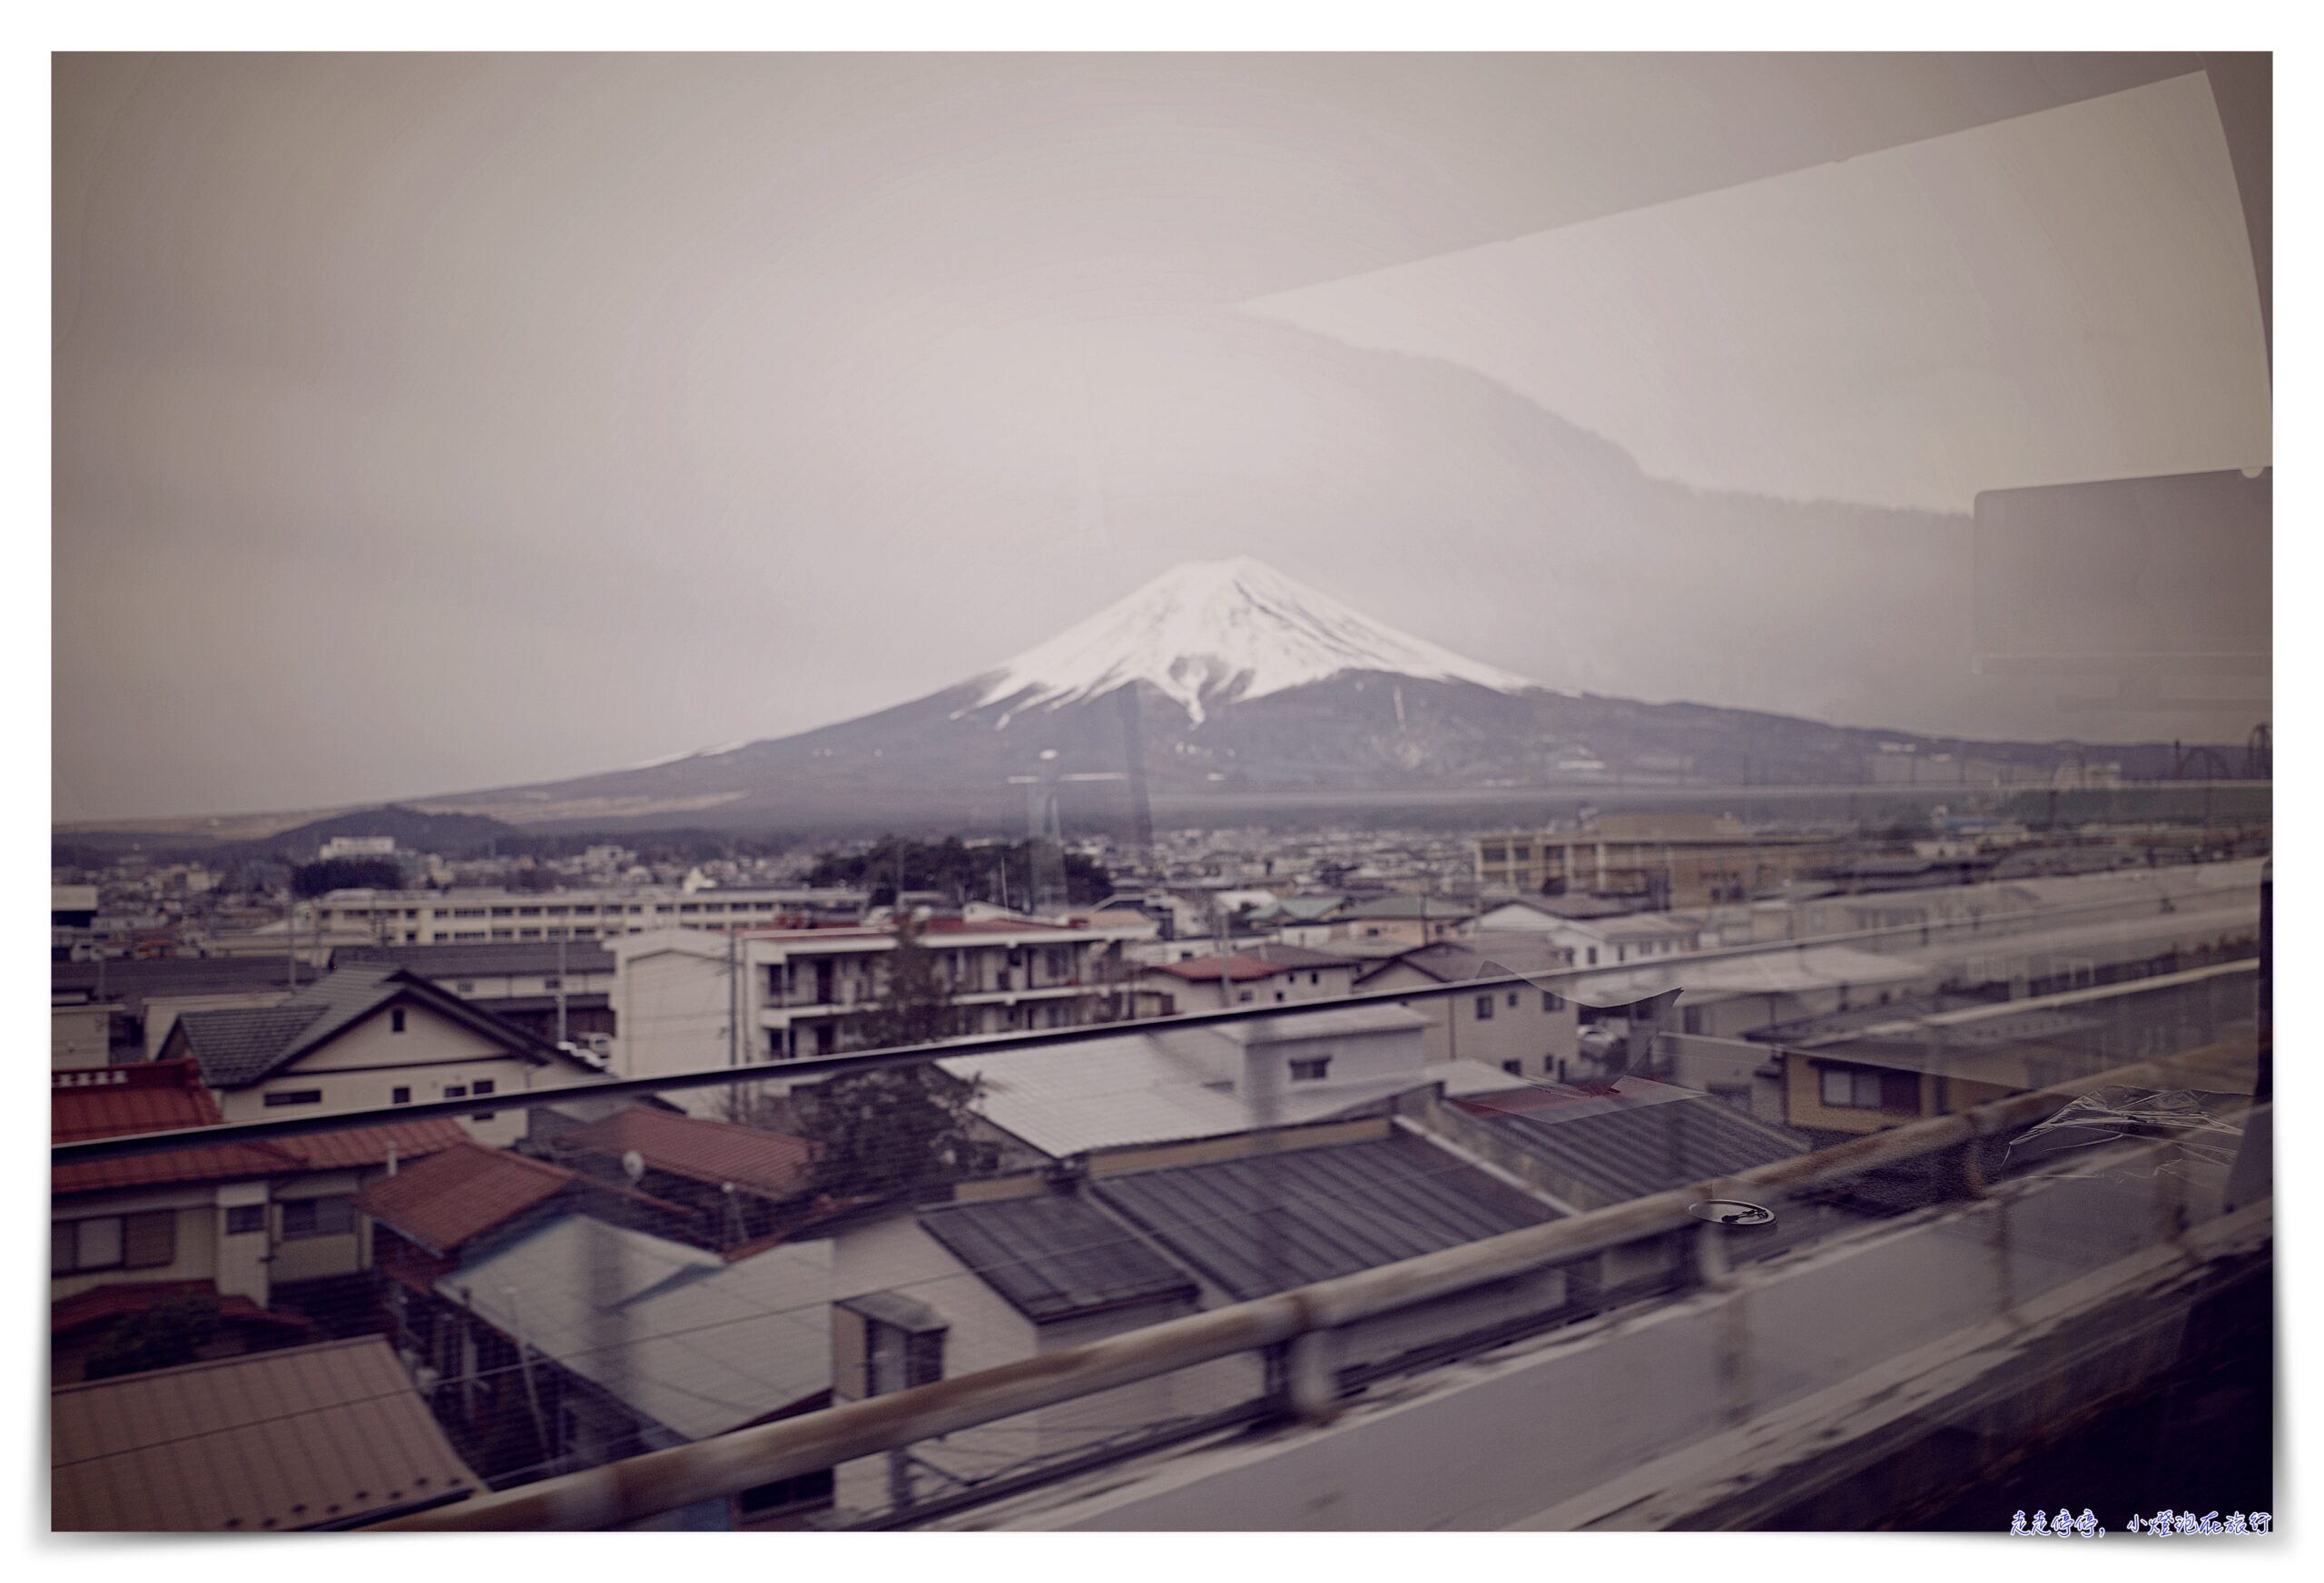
{"points": [[331, 1151], [140, 1096], [460, 1193], [772, 1164], [102, 1304]]}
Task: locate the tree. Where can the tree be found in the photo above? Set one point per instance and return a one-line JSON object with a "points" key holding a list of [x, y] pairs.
{"points": [[958, 871], [897, 1129], [915, 1005], [162, 1337]]}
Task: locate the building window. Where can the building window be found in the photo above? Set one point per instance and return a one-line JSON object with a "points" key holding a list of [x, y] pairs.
{"points": [[1485, 1009], [1311, 1068], [317, 1217], [1514, 1069], [1550, 1002], [551, 983], [1244, 997], [1594, 956], [1512, 1000], [482, 1087], [1315, 978], [115, 1242], [395, 1021], [399, 1095], [455, 1091], [242, 1219], [1851, 1090], [466, 987], [1691, 1019], [294, 1097]]}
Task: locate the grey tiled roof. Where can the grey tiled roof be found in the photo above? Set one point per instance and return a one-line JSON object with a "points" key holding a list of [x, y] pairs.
{"points": [[240, 1045], [1056, 1258], [1271, 1222], [1624, 1153], [236, 1047]]}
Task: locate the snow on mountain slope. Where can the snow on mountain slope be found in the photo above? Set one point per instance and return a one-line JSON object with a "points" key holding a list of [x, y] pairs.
{"points": [[1213, 632]]}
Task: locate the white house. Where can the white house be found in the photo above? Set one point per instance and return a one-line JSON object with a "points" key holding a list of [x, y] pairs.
{"points": [[368, 1036], [1528, 1030]]}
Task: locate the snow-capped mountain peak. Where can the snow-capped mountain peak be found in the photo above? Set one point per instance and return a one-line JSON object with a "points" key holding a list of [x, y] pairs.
{"points": [[1211, 632]]}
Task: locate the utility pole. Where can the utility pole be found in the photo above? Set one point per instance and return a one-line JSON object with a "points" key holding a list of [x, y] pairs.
{"points": [[562, 936], [733, 997]]}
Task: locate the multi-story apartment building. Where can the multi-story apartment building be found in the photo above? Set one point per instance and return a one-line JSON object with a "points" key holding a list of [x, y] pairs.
{"points": [[429, 917], [795, 992], [1670, 860]]}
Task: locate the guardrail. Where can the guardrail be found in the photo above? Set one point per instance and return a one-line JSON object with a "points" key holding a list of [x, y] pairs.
{"points": [[1300, 1321]]}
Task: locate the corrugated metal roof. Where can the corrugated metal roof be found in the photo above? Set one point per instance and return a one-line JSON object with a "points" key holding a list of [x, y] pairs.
{"points": [[770, 1164], [135, 981], [1055, 1257], [276, 1440], [1271, 1222], [684, 1338], [459, 1193], [1626, 1151]]}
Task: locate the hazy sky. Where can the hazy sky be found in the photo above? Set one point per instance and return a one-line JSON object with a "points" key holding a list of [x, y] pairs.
{"points": [[430, 423]]}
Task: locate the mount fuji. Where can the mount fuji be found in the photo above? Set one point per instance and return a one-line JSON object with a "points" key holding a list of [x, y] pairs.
{"points": [[1216, 679], [1212, 634]]}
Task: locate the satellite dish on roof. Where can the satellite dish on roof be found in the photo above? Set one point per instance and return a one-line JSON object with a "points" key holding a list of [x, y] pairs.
{"points": [[1731, 1212], [633, 1164]]}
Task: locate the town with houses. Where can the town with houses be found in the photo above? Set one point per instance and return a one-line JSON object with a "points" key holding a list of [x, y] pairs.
{"points": [[584, 1244]]}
